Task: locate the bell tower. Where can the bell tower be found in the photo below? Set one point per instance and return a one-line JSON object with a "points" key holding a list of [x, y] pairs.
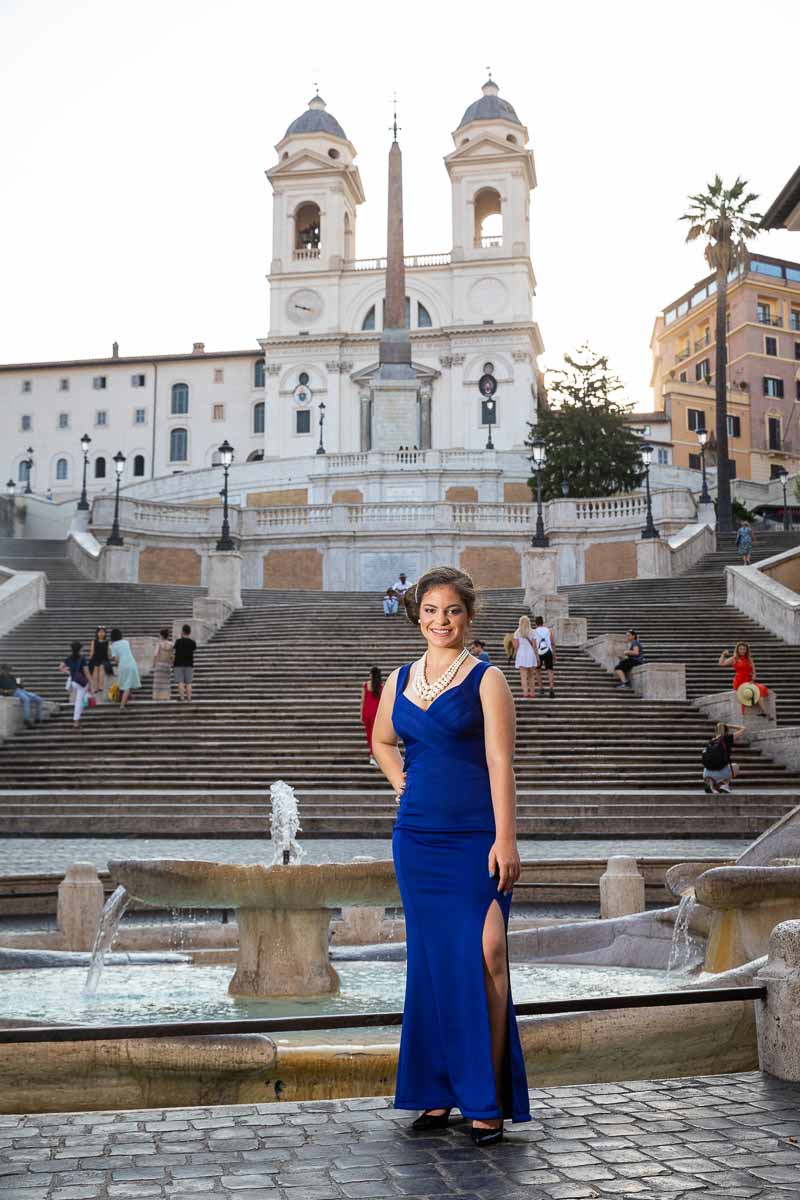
{"points": [[492, 174], [317, 189]]}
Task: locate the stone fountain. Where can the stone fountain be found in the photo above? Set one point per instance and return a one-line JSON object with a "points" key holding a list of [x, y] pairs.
{"points": [[283, 912]]}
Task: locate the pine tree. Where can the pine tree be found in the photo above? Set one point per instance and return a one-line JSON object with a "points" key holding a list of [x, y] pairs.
{"points": [[588, 443]]}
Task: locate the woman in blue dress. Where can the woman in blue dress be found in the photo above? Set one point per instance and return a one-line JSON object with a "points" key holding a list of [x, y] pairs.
{"points": [[455, 854]]}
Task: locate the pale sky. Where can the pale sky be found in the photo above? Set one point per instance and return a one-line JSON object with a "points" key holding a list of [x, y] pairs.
{"points": [[133, 204]]}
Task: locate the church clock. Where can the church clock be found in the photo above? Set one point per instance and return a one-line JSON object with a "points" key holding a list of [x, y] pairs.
{"points": [[304, 306]]}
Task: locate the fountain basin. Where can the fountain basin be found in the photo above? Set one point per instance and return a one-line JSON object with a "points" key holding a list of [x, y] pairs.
{"points": [[283, 912], [747, 903]]}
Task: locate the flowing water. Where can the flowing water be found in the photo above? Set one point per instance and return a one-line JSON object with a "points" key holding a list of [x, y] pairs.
{"points": [[285, 824], [686, 951], [112, 914]]}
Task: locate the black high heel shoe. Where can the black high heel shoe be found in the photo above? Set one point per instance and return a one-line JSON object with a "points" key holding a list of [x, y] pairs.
{"points": [[427, 1122], [486, 1137]]}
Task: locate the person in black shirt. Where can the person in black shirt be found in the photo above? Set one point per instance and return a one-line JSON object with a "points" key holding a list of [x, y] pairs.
{"points": [[183, 664], [11, 686]]}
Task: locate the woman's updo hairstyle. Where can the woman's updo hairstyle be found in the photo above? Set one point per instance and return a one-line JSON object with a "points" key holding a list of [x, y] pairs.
{"points": [[437, 577]]}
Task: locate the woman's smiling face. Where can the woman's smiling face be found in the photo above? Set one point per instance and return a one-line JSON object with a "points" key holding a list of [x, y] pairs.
{"points": [[443, 618]]}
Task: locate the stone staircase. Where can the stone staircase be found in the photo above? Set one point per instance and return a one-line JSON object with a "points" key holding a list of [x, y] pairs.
{"points": [[278, 695], [686, 619], [30, 554]]}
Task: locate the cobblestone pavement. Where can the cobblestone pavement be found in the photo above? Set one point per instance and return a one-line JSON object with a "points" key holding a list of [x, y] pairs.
{"points": [[42, 855], [721, 1137]]}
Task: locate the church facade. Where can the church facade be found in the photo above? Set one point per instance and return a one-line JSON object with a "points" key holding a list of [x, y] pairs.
{"points": [[312, 383]]}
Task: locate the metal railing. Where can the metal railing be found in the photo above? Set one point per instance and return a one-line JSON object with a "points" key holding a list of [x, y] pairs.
{"points": [[682, 355], [701, 342], [541, 1008], [768, 319]]}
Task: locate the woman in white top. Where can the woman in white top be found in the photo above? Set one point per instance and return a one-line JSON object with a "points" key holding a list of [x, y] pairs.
{"points": [[525, 659]]}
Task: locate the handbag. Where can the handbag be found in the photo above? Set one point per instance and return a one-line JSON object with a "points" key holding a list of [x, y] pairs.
{"points": [[114, 694]]}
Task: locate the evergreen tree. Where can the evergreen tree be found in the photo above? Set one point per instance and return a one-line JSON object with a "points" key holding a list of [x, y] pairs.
{"points": [[588, 443]]}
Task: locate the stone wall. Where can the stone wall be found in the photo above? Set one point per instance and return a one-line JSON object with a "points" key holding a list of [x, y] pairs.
{"points": [[165, 564], [786, 572], [293, 569], [347, 496], [461, 495], [492, 566], [516, 493], [610, 560], [275, 499]]}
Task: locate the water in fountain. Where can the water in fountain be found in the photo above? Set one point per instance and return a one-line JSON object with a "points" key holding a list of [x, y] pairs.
{"points": [[285, 824], [682, 955], [110, 918]]}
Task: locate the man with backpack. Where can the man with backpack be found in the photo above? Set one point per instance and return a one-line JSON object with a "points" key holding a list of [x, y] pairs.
{"points": [[718, 770], [545, 647]]}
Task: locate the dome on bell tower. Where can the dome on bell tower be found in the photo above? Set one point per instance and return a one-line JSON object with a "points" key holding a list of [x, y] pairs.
{"points": [[490, 107], [316, 120]]}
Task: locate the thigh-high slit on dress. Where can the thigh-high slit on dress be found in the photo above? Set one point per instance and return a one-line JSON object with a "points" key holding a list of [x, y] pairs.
{"points": [[444, 830]]}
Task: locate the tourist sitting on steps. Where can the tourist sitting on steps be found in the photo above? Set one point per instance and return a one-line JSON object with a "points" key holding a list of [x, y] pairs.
{"points": [[633, 657], [718, 770], [185, 647], [400, 585], [744, 668], [390, 603], [478, 650], [10, 685]]}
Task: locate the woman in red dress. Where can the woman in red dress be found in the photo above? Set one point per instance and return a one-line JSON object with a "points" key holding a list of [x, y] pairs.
{"points": [[744, 669], [370, 696]]}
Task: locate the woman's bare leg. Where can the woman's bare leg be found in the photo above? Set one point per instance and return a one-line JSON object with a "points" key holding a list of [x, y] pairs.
{"points": [[495, 975]]}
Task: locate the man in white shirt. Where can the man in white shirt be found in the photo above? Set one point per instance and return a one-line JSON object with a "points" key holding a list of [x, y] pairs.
{"points": [[401, 586], [545, 645]]}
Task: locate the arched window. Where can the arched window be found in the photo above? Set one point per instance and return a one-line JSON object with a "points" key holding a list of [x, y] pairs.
{"points": [[216, 458], [488, 218], [179, 406], [23, 471], [62, 470], [258, 373], [307, 230], [255, 456], [258, 417], [369, 319], [100, 468], [138, 466], [178, 445], [423, 317]]}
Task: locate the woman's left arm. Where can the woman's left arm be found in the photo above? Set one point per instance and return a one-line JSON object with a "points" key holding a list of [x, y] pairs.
{"points": [[499, 723]]}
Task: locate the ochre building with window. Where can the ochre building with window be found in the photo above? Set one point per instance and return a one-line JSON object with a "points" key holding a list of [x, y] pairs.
{"points": [[763, 321]]}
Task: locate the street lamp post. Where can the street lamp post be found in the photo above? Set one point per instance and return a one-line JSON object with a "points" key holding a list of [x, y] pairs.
{"points": [[540, 538], [321, 446], [29, 464], [649, 530], [115, 537], [83, 503], [787, 520], [702, 437], [490, 421], [11, 488], [226, 458]]}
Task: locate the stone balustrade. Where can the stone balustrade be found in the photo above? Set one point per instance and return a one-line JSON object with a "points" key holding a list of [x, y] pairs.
{"points": [[22, 593], [767, 592], [673, 508]]}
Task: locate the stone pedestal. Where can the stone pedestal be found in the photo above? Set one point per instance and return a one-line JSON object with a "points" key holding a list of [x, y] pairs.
{"points": [[539, 574], [706, 515], [213, 610], [778, 1017], [569, 631], [10, 717], [653, 559], [621, 888], [116, 564], [225, 577], [283, 953], [80, 903], [80, 521], [550, 605], [395, 414], [781, 744], [725, 706], [607, 649], [143, 649], [660, 681], [360, 926], [202, 631]]}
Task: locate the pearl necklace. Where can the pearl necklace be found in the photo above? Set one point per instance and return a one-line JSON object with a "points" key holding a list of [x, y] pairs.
{"points": [[429, 691]]}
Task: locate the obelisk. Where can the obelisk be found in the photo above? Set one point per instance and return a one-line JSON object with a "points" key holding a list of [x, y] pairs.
{"points": [[395, 408]]}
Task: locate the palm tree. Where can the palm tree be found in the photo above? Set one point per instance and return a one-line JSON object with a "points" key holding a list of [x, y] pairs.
{"points": [[723, 216]]}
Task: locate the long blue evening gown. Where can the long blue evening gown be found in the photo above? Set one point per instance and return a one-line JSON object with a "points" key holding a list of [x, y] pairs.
{"points": [[444, 831]]}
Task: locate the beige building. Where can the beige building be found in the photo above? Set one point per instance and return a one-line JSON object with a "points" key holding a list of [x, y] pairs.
{"points": [[763, 368]]}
